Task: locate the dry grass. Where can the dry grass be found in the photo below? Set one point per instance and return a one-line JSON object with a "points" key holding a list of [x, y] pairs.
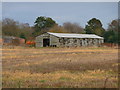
{"points": [[60, 67]]}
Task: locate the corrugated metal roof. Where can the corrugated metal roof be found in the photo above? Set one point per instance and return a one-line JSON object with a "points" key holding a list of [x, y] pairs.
{"points": [[73, 35]]}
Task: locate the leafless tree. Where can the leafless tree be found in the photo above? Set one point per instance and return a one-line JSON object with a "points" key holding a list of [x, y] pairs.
{"points": [[73, 27], [14, 28]]}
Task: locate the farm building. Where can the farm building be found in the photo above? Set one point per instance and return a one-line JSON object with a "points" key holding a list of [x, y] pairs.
{"points": [[10, 40], [68, 40]]}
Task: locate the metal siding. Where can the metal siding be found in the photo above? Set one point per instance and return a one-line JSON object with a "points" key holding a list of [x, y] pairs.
{"points": [[54, 40], [39, 41]]}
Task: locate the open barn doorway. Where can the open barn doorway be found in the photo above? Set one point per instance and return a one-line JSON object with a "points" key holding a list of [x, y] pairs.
{"points": [[46, 42]]}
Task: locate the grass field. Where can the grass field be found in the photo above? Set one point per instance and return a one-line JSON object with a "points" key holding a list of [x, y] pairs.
{"points": [[60, 68]]}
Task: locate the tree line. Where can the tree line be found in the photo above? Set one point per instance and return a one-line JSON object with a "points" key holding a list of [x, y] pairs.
{"points": [[43, 24]]}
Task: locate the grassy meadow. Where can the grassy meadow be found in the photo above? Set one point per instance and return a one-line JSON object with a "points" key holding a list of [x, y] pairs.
{"points": [[59, 67]]}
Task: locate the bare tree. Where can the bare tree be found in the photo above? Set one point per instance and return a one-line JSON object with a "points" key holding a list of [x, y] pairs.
{"points": [[57, 29], [73, 27], [9, 27], [14, 28]]}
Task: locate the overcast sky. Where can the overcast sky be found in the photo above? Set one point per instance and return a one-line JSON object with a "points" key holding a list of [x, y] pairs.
{"points": [[77, 12]]}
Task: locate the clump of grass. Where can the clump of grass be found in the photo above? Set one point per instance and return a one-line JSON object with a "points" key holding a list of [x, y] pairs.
{"points": [[64, 78], [42, 81]]}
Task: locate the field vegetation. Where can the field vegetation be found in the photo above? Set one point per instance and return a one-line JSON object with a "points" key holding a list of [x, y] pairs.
{"points": [[90, 67]]}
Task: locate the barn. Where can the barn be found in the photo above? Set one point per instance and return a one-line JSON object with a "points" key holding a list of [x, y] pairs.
{"points": [[50, 39], [10, 40]]}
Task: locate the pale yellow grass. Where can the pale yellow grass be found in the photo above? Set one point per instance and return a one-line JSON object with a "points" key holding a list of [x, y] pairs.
{"points": [[68, 79], [60, 67]]}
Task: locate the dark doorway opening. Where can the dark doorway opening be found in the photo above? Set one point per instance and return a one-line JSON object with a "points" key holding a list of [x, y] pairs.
{"points": [[46, 42]]}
